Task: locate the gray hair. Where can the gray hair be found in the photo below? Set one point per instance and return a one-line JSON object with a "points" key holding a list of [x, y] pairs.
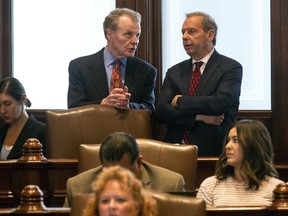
{"points": [[111, 21], [208, 22]]}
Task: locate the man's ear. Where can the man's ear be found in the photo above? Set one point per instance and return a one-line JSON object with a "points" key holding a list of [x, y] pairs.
{"points": [[109, 33], [211, 34], [139, 161]]}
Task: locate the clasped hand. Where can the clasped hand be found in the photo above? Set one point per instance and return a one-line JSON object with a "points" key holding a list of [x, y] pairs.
{"points": [[212, 120], [118, 97]]}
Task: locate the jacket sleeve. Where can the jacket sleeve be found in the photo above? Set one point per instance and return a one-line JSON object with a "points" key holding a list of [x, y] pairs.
{"points": [[68, 198]]}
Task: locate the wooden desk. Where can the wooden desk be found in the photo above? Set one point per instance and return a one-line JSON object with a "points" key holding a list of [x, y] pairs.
{"points": [[245, 211], [32, 204], [49, 212], [50, 175], [248, 211]]}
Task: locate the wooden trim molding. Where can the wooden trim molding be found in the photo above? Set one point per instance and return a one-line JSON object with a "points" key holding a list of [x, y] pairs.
{"points": [[150, 46], [5, 39], [279, 78]]}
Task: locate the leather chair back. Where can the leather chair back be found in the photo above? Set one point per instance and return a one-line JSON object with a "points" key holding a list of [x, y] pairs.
{"points": [[67, 129], [168, 204], [79, 203], [178, 158], [176, 205]]}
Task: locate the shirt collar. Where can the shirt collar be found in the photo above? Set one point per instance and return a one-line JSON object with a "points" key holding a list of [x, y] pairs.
{"points": [[109, 58], [205, 59]]}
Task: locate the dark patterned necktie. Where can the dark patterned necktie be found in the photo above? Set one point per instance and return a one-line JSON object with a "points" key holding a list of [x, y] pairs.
{"points": [[116, 81], [196, 75]]}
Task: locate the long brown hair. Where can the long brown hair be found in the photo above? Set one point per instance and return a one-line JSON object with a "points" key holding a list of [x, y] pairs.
{"points": [[255, 141]]}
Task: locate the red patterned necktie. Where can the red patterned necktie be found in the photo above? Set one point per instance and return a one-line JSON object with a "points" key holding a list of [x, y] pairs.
{"points": [[196, 75], [116, 81]]}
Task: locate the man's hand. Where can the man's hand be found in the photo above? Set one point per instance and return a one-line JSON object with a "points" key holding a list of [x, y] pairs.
{"points": [[174, 101], [213, 120], [118, 98]]}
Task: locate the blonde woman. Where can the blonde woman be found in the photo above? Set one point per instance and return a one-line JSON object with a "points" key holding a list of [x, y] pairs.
{"points": [[119, 192]]}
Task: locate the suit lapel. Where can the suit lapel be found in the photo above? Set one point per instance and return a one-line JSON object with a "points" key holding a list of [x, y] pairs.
{"points": [[131, 74], [97, 69], [145, 179], [21, 139], [186, 76], [208, 72]]}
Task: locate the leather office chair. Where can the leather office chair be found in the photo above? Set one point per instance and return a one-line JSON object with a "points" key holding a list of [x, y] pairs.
{"points": [[176, 205], [168, 205], [178, 158], [67, 129]]}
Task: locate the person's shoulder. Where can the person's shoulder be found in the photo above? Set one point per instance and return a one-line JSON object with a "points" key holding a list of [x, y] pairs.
{"points": [[140, 62], [34, 122], [223, 58], [88, 57], [181, 66], [210, 180], [88, 175], [274, 181], [159, 170]]}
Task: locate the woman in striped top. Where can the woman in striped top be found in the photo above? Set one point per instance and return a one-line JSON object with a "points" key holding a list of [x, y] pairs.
{"points": [[244, 175]]}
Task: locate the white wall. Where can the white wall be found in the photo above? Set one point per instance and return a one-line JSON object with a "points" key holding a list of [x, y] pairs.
{"points": [[48, 34]]}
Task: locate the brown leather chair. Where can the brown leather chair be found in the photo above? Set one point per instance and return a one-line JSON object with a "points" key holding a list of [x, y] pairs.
{"points": [[168, 204], [67, 129], [79, 203], [176, 205], [178, 158]]}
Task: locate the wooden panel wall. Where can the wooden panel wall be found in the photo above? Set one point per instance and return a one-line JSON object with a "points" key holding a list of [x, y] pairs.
{"points": [[150, 48], [279, 68], [5, 39]]}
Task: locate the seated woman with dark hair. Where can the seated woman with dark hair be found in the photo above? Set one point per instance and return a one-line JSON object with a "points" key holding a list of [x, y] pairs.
{"points": [[17, 125], [119, 192], [244, 175]]}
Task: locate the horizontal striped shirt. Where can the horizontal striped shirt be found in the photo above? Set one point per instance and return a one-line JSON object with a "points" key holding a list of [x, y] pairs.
{"points": [[228, 192]]}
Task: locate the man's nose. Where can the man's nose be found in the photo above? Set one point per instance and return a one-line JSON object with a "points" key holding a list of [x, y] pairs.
{"points": [[185, 35], [135, 39]]}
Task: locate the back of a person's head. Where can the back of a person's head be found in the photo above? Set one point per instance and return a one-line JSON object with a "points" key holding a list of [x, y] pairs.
{"points": [[116, 145], [13, 87], [255, 141]]}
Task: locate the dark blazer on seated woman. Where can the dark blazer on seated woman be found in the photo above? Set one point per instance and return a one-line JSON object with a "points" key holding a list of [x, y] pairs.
{"points": [[32, 129]]}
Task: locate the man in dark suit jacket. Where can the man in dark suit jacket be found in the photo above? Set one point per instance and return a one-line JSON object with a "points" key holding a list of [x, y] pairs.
{"points": [[207, 115], [90, 76], [121, 149]]}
